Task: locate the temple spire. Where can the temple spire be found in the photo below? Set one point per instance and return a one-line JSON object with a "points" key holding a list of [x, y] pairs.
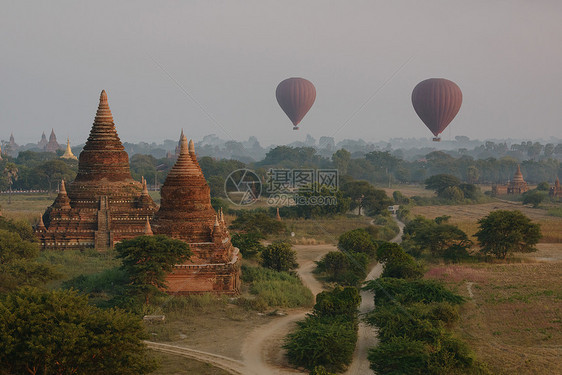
{"points": [[148, 228], [41, 226]]}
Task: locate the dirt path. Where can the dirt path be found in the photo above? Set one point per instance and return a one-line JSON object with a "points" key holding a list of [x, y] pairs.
{"points": [[367, 335], [261, 350], [228, 364]]}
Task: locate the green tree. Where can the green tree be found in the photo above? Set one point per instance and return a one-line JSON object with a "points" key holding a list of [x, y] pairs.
{"points": [[52, 171], [341, 160], [248, 243], [534, 197], [58, 332], [341, 301], [440, 182], [257, 221], [18, 258], [148, 259], [344, 268], [279, 256], [11, 175], [397, 263], [435, 236], [357, 241], [503, 232]]}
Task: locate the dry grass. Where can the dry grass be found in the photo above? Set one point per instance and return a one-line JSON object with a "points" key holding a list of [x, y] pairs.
{"points": [[176, 365], [514, 320], [321, 231], [408, 190], [26, 206], [466, 216]]}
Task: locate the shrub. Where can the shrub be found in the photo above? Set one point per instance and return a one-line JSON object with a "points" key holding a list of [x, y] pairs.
{"points": [[391, 290], [257, 221], [279, 256], [397, 263], [357, 241], [325, 341], [399, 356], [338, 302], [248, 243], [343, 268]]}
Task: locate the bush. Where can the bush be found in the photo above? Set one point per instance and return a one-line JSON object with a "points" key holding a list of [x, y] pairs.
{"points": [[338, 302], [418, 321], [248, 243], [397, 263], [389, 290], [325, 341], [343, 268], [279, 256], [257, 221], [399, 356], [357, 241]]}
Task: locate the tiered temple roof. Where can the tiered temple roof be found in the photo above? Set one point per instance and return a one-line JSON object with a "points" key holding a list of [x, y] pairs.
{"points": [[186, 213], [104, 205]]}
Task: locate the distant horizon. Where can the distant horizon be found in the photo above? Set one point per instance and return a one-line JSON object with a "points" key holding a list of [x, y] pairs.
{"points": [[213, 67]]}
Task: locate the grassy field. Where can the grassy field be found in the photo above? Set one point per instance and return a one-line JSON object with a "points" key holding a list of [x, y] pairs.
{"points": [[513, 320], [466, 216]]}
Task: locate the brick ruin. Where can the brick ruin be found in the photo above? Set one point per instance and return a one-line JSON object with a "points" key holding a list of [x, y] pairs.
{"points": [[104, 206]]}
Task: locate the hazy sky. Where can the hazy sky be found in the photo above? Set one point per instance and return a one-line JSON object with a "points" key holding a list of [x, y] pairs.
{"points": [[213, 66]]}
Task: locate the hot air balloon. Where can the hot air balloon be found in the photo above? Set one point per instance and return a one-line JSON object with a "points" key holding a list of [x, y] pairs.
{"points": [[437, 101], [295, 97]]}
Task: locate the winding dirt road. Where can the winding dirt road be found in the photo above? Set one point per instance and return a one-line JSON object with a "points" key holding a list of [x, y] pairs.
{"points": [[261, 349]]}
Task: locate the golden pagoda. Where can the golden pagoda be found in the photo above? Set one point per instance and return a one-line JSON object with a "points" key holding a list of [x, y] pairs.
{"points": [[68, 152]]}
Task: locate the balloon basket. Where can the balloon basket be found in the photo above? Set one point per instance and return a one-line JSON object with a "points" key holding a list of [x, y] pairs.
{"points": [[295, 128], [436, 139]]}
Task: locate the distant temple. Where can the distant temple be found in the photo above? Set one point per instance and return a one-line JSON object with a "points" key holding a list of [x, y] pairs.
{"points": [[68, 152], [515, 186], [104, 205], [52, 145], [43, 142], [556, 190]]}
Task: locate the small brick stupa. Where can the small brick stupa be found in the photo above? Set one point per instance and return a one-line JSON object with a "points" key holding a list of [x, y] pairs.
{"points": [[186, 213], [104, 205]]}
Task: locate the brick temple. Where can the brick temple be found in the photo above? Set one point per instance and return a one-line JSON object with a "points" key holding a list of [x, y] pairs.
{"points": [[104, 206], [513, 187], [186, 213]]}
